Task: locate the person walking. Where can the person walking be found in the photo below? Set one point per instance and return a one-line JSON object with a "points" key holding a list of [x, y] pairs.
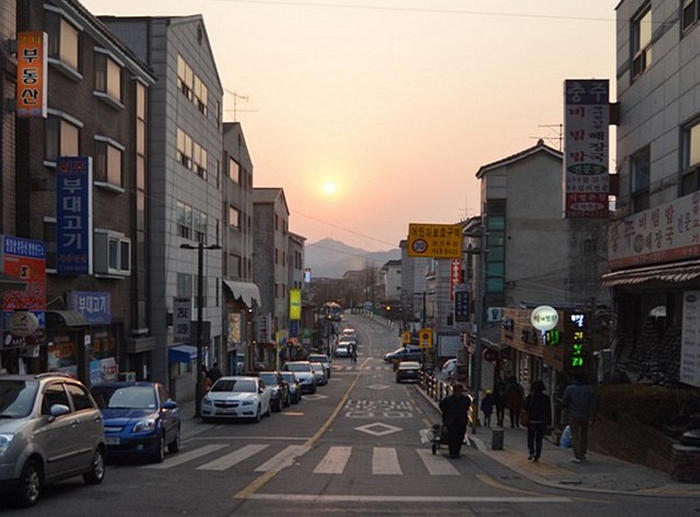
{"points": [[581, 403], [514, 399], [487, 407], [455, 415], [499, 400], [214, 372], [539, 409]]}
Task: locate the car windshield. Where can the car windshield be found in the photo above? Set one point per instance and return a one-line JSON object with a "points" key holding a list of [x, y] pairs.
{"points": [[17, 398], [124, 397], [235, 385], [318, 367], [269, 379], [407, 365], [298, 367], [318, 358], [289, 376]]}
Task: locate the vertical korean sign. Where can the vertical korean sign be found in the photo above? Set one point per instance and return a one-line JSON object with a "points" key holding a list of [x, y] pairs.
{"points": [[32, 74], [182, 317], [25, 259], [690, 341], [295, 304], [74, 215], [586, 148]]}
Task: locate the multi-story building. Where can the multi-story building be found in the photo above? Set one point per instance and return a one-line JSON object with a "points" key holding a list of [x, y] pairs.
{"points": [[270, 269], [8, 87], [300, 329], [391, 279], [80, 186], [185, 146], [413, 283], [242, 296], [654, 239]]}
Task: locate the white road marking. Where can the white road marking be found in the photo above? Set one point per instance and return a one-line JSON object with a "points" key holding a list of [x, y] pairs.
{"points": [[385, 461], [173, 461], [407, 499], [231, 459], [334, 462], [437, 465], [283, 459]]}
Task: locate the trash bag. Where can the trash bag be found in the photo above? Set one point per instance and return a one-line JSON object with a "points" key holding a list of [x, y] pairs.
{"points": [[565, 440]]}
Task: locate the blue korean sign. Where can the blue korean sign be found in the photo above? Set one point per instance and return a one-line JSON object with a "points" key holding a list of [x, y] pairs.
{"points": [[95, 306], [293, 328], [74, 215]]}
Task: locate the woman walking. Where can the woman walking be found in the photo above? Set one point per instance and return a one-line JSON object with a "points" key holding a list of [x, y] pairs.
{"points": [[539, 409]]}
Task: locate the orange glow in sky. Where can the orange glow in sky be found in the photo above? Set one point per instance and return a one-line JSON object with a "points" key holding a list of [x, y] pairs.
{"points": [[397, 103]]}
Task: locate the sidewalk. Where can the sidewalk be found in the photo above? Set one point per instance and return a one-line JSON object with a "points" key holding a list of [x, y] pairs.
{"points": [[599, 473]]}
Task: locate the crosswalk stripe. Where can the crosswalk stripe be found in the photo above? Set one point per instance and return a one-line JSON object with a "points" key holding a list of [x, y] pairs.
{"points": [[385, 461], [173, 461], [437, 465], [233, 458], [334, 462], [283, 459]]}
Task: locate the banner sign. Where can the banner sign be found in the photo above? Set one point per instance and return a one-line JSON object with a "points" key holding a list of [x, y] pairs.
{"points": [[586, 148], [461, 306], [435, 240], [95, 306], [295, 304], [32, 74], [74, 215], [690, 341], [182, 319]]}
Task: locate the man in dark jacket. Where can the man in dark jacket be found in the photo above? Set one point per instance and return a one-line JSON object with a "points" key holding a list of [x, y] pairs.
{"points": [[455, 415], [580, 400], [539, 410]]}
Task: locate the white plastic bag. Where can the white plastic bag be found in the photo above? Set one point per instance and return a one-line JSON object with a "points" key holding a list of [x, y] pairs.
{"points": [[565, 440]]}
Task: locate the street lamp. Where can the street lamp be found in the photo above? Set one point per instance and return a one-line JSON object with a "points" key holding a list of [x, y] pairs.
{"points": [[200, 302]]}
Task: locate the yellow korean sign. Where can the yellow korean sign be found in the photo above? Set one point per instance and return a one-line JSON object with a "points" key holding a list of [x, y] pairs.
{"points": [[406, 337], [32, 71], [295, 304], [435, 240], [425, 338]]}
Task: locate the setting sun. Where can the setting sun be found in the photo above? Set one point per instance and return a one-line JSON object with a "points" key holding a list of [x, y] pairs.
{"points": [[329, 188]]}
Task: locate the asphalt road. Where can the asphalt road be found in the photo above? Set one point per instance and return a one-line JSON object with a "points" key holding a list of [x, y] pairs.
{"points": [[352, 449]]}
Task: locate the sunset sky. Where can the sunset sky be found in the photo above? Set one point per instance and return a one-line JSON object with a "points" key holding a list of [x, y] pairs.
{"points": [[373, 114]]}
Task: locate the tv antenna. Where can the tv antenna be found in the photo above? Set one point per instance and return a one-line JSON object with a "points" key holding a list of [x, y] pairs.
{"points": [[556, 135], [236, 97]]}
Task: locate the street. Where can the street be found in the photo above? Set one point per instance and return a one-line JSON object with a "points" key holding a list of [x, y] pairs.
{"points": [[353, 448]]}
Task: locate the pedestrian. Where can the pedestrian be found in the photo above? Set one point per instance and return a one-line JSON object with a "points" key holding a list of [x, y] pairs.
{"points": [[353, 353], [514, 399], [487, 407], [455, 415], [206, 380], [214, 372], [581, 403], [499, 400], [539, 410]]}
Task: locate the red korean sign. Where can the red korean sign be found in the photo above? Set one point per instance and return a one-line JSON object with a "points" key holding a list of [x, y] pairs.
{"points": [[32, 72]]}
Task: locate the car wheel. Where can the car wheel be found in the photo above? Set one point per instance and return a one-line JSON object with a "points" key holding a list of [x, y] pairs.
{"points": [[278, 406], [174, 446], [30, 484], [97, 469], [288, 400], [159, 455], [269, 409], [258, 416]]}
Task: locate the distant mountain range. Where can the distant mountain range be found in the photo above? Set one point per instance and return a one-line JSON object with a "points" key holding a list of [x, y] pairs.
{"points": [[329, 258]]}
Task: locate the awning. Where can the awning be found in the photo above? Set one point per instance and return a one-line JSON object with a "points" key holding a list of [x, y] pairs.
{"points": [[248, 292], [182, 354], [9, 282], [66, 318], [676, 272]]}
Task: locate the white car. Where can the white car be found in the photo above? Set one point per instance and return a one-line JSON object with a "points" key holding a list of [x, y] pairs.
{"points": [[237, 397], [305, 373], [320, 373], [450, 367], [342, 350]]}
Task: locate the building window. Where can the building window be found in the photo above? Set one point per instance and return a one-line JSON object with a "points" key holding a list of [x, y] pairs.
{"points": [[690, 181], [234, 171], [108, 163], [64, 41], [640, 165], [234, 266], [112, 253], [200, 160], [200, 95], [185, 77], [108, 76], [641, 41], [184, 220], [184, 149], [62, 138], [234, 217], [50, 239], [200, 226], [184, 285], [690, 13]]}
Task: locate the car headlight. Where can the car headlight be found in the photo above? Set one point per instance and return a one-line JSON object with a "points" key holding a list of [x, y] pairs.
{"points": [[5, 441], [206, 401], [247, 403], [145, 426]]}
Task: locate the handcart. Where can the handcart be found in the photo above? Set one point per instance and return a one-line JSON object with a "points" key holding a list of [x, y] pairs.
{"points": [[435, 436]]}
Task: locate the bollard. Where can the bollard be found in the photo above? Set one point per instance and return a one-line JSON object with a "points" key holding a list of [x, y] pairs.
{"points": [[497, 435]]}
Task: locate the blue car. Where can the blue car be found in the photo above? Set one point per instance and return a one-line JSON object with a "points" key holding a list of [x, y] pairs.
{"points": [[140, 419]]}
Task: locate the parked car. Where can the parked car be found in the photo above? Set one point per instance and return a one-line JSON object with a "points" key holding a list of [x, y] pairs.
{"points": [[140, 419], [408, 371], [404, 353], [348, 332], [342, 350], [320, 371], [50, 429], [450, 368], [305, 374], [294, 386], [279, 396], [324, 360], [235, 397]]}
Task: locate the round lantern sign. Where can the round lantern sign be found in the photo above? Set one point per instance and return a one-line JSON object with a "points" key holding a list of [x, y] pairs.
{"points": [[544, 318], [22, 323]]}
